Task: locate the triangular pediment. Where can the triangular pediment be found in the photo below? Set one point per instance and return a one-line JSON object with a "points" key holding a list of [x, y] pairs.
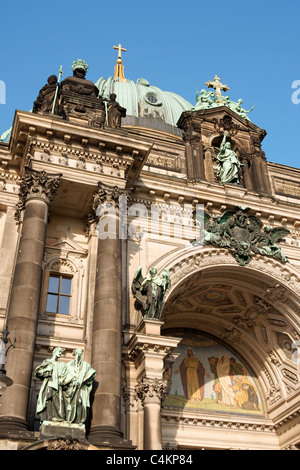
{"points": [[216, 114], [221, 111], [66, 245]]}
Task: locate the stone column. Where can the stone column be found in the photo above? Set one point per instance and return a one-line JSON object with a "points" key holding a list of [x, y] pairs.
{"points": [[209, 165], [8, 250], [151, 393], [260, 173], [248, 183], [150, 352], [190, 123], [107, 324], [37, 191]]}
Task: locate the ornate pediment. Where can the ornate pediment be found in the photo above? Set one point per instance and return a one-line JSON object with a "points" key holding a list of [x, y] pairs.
{"points": [[65, 245]]}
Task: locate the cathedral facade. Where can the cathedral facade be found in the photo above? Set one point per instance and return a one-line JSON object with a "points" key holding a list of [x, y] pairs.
{"points": [[156, 237]]}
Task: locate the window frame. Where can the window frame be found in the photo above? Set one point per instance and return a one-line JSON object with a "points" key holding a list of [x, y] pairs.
{"points": [[60, 276]]}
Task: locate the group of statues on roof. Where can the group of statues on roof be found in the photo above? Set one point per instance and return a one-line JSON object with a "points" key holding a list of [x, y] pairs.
{"points": [[76, 96], [213, 99], [204, 100]]}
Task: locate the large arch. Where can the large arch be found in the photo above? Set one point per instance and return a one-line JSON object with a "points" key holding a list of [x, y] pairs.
{"points": [[252, 309]]}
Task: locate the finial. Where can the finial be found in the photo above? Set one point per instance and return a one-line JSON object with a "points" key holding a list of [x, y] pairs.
{"points": [[218, 86], [80, 64], [119, 68]]}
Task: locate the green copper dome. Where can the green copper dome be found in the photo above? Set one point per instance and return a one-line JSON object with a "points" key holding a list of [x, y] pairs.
{"points": [[146, 105]]}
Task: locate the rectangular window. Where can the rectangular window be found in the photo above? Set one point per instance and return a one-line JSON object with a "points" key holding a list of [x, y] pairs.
{"points": [[59, 294]]}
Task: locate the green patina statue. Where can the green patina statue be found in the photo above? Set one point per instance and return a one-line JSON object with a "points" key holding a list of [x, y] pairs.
{"points": [[203, 101], [209, 100], [243, 235], [149, 291], [238, 109], [64, 395], [229, 165]]}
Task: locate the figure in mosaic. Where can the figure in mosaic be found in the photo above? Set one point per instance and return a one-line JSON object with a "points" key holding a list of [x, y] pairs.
{"points": [[192, 375]]}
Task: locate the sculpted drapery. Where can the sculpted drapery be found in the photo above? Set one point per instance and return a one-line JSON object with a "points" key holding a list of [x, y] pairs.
{"points": [[64, 395]]}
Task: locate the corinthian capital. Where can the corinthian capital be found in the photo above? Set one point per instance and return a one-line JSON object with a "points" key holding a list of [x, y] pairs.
{"points": [[151, 391], [37, 184], [105, 197]]}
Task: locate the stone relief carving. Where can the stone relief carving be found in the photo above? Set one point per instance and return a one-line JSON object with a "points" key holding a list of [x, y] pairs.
{"points": [[243, 235]]}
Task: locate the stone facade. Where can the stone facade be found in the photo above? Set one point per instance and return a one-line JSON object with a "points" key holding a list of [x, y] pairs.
{"points": [[54, 174]]}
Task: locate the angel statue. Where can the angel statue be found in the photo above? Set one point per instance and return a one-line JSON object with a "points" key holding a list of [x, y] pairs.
{"points": [[203, 101], [266, 242], [149, 291], [238, 109]]}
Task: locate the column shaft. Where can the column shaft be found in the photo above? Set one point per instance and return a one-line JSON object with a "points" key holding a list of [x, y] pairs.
{"points": [[107, 341], [152, 426], [23, 310]]}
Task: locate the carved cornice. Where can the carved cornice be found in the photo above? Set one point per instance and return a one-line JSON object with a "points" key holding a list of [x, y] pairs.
{"points": [[63, 154], [138, 349], [37, 185], [212, 422]]}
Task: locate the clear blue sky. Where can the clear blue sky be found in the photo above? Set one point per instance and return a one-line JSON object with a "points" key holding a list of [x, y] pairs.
{"points": [[176, 45]]}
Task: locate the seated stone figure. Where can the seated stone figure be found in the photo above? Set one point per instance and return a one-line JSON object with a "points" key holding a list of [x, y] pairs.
{"points": [[44, 101]]}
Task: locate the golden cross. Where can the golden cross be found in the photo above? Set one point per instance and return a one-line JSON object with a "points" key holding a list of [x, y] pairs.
{"points": [[119, 48], [217, 85]]}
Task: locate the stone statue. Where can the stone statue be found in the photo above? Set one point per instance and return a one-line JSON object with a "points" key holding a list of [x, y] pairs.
{"points": [[229, 165], [238, 109], [50, 405], [115, 112], [64, 395], [79, 382], [149, 291], [203, 101], [44, 101]]}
